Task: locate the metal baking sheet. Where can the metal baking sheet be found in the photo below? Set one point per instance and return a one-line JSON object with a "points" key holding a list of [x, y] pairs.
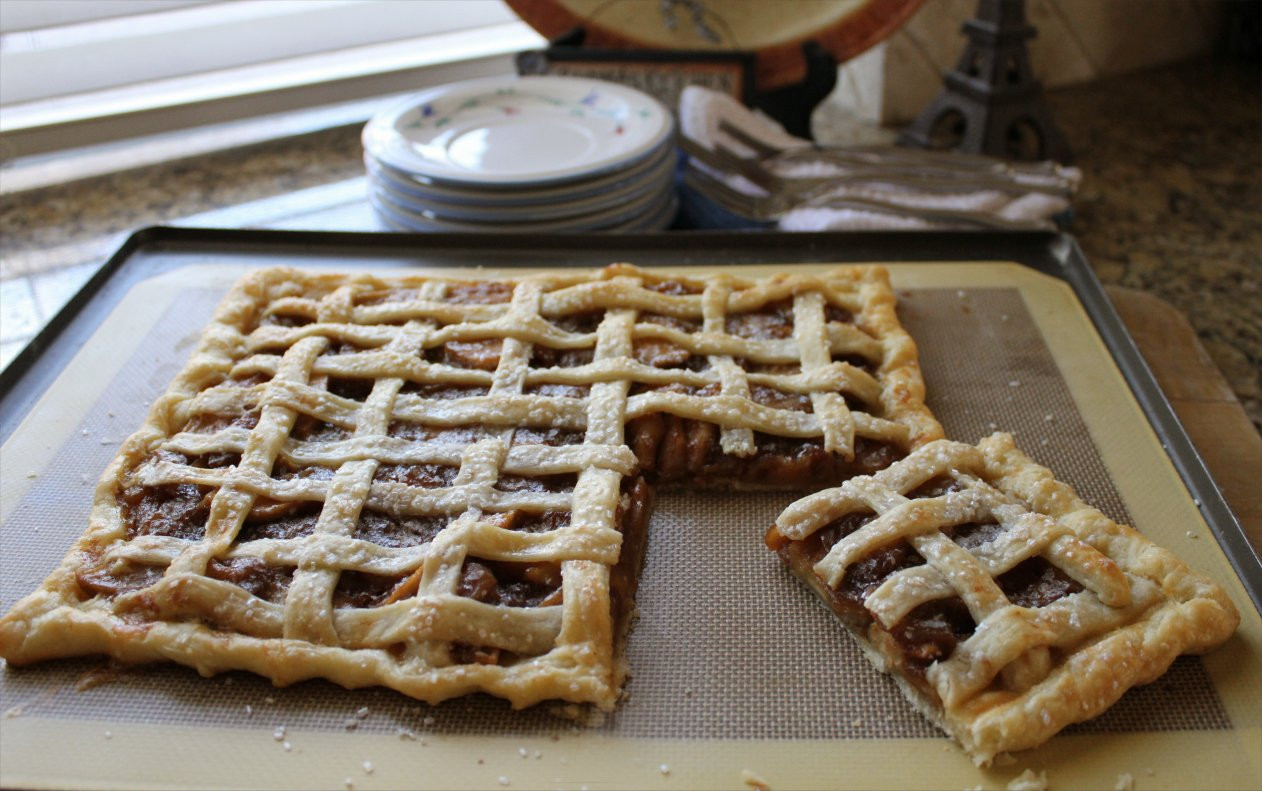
{"points": [[755, 674]]}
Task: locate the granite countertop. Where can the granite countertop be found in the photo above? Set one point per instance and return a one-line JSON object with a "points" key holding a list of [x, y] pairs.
{"points": [[1171, 202]]}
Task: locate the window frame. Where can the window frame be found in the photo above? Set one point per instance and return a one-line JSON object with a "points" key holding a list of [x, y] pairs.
{"points": [[481, 42]]}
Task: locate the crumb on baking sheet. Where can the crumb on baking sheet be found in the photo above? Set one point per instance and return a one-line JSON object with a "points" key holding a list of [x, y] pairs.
{"points": [[1029, 781], [749, 778]]}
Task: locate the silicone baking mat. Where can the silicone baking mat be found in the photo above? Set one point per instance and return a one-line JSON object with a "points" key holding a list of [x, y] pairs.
{"points": [[737, 672]]}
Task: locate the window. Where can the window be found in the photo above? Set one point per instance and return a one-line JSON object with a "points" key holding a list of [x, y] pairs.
{"points": [[77, 72]]}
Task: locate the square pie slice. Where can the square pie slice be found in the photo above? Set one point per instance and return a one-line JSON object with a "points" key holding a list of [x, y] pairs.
{"points": [[1004, 606], [443, 486], [792, 382]]}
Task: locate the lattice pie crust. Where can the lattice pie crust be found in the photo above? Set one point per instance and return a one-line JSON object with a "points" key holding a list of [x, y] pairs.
{"points": [[1004, 606], [430, 484]]}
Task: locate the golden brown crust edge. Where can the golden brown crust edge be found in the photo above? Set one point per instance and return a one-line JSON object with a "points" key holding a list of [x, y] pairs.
{"points": [[904, 394]]}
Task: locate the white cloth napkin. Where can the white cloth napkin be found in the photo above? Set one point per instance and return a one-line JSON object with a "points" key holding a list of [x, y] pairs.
{"points": [[702, 109]]}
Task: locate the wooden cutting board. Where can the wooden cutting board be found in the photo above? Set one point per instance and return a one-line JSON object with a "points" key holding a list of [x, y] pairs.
{"points": [[1201, 397]]}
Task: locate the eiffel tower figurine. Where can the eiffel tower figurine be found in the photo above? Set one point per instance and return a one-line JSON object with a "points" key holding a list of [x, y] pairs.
{"points": [[992, 104]]}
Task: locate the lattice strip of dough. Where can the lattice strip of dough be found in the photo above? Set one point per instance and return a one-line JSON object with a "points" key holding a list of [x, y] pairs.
{"points": [[223, 399], [273, 336], [587, 624], [378, 363], [308, 602], [810, 334], [835, 376], [396, 497], [521, 459], [448, 618], [498, 407], [510, 374], [735, 440], [432, 309]]}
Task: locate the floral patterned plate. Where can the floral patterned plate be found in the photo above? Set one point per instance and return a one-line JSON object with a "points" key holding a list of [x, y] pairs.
{"points": [[518, 130]]}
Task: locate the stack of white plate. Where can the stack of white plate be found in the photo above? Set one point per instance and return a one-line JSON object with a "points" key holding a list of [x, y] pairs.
{"points": [[524, 154]]}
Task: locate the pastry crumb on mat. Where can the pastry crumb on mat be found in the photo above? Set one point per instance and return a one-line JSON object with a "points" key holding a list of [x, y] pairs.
{"points": [[1029, 781]]}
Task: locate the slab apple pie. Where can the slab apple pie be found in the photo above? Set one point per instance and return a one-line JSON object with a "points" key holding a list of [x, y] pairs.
{"points": [[1004, 606], [443, 485]]}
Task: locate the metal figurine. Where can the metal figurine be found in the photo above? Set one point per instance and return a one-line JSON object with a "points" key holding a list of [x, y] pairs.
{"points": [[992, 104]]}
